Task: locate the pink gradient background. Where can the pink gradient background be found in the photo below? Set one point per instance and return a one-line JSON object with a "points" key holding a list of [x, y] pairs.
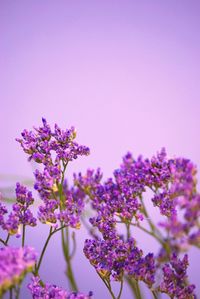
{"points": [[125, 73]]}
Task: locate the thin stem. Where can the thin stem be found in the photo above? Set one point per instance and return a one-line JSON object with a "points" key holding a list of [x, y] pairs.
{"points": [[151, 224], [11, 293], [17, 292], [2, 241], [7, 239], [51, 233], [60, 186], [23, 235], [65, 244], [69, 271], [155, 230], [121, 288], [128, 230], [154, 294], [151, 233], [132, 286], [74, 245], [138, 290], [107, 286], [43, 252]]}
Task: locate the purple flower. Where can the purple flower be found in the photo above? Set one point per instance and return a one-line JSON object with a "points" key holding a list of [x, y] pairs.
{"points": [[115, 257], [12, 224], [41, 291], [67, 211], [40, 143], [21, 209], [3, 211], [142, 268], [20, 214], [54, 148], [174, 282], [14, 264]]}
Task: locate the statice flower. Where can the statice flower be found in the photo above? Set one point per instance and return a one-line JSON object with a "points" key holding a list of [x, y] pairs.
{"points": [[20, 214], [41, 291], [14, 264], [174, 281], [3, 211], [142, 268], [122, 194], [24, 200], [40, 143], [54, 148], [194, 238], [66, 211], [90, 183], [45, 184], [9, 222], [47, 213], [72, 207], [113, 258], [152, 172], [183, 226], [109, 196], [12, 224]]}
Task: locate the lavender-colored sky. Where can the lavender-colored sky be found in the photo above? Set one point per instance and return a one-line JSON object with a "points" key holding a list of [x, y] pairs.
{"points": [[125, 73]]}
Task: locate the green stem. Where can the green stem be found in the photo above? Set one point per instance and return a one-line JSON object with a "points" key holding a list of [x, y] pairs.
{"points": [[138, 290], [151, 233], [7, 239], [43, 252], [66, 251], [154, 229], [108, 286], [17, 290], [154, 295], [11, 293], [51, 233], [65, 244], [23, 235], [128, 230], [121, 288], [150, 222], [17, 293], [74, 245], [134, 287], [2, 241]]}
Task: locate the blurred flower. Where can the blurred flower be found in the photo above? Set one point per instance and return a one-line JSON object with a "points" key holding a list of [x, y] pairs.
{"points": [[41, 291], [20, 214], [174, 281], [14, 264]]}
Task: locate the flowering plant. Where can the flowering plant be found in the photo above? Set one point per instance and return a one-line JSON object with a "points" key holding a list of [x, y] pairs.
{"points": [[118, 209]]}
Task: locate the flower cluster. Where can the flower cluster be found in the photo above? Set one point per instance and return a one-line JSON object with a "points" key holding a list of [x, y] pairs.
{"points": [[175, 279], [41, 291], [14, 264], [118, 208], [20, 214], [116, 257], [40, 143], [54, 149], [122, 194], [183, 226], [120, 200]]}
